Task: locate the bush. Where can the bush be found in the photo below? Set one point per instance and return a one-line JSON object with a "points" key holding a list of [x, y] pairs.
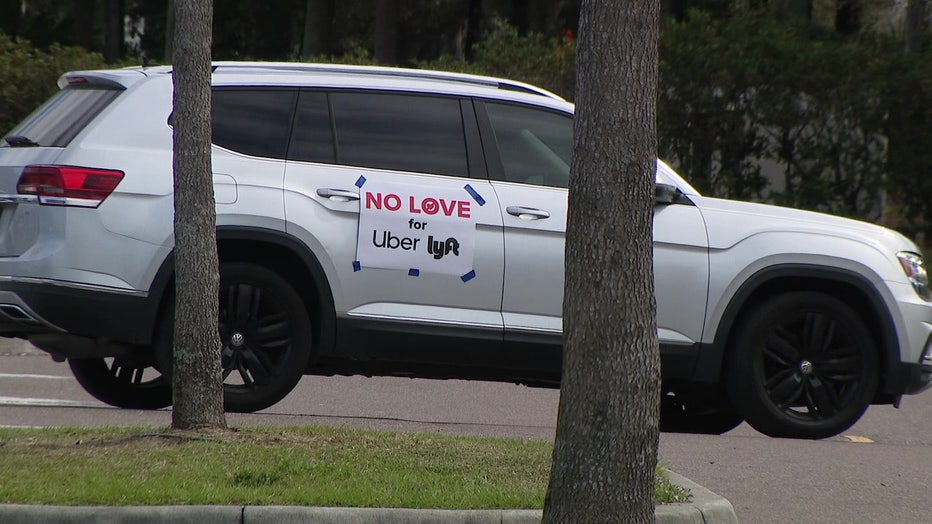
{"points": [[534, 59], [28, 76]]}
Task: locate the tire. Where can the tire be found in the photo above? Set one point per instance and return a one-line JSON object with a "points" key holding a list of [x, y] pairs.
{"points": [[130, 383], [265, 336], [685, 416], [803, 365]]}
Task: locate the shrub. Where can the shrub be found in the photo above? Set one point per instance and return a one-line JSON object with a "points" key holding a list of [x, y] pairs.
{"points": [[28, 76]]}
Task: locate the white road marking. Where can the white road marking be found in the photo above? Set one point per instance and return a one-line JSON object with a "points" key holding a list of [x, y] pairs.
{"points": [[27, 375], [43, 402]]}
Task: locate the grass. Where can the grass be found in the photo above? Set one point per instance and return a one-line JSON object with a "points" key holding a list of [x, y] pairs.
{"points": [[276, 466]]}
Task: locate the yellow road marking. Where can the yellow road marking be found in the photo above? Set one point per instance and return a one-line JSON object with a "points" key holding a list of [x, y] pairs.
{"points": [[859, 440]]}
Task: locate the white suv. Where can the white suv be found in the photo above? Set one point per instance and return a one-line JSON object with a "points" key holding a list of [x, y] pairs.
{"points": [[381, 221]]}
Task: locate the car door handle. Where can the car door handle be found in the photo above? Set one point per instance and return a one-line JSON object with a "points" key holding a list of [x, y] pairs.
{"points": [[337, 195], [527, 213]]}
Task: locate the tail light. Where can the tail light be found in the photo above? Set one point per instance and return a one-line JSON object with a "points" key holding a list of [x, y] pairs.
{"points": [[68, 185]]}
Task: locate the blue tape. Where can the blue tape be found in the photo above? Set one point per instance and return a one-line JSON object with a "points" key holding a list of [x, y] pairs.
{"points": [[360, 181], [356, 266], [469, 276], [414, 272], [474, 194]]}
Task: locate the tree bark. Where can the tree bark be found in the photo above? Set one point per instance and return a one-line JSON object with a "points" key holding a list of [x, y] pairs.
{"points": [[915, 20], [197, 385], [386, 32], [318, 28], [113, 37], [83, 16], [848, 16], [605, 451]]}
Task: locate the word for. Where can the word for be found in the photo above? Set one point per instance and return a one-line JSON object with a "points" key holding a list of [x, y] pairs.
{"points": [[427, 205]]}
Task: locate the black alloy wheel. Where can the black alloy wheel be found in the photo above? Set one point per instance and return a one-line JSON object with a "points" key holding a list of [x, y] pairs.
{"points": [[265, 337], [124, 382], [803, 366]]}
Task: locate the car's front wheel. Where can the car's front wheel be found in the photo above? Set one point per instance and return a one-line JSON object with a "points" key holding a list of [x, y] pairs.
{"points": [[802, 365]]}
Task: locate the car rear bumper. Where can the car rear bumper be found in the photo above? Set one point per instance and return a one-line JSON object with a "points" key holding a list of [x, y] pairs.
{"points": [[46, 309]]}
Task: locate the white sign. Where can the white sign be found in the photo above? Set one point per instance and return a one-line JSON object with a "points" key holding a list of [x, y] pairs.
{"points": [[416, 229]]}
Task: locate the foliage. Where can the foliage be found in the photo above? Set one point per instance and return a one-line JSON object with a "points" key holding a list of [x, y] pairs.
{"points": [[772, 95], [548, 62], [752, 105], [28, 75], [909, 129], [280, 466]]}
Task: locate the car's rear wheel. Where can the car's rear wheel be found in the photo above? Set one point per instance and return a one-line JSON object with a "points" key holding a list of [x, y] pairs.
{"points": [[802, 365], [265, 337], [685, 414], [125, 382]]}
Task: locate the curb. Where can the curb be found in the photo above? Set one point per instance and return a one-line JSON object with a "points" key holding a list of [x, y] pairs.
{"points": [[705, 507]]}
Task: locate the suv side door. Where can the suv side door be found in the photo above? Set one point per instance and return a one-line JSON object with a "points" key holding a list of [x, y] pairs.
{"points": [[249, 132], [530, 153], [344, 144]]}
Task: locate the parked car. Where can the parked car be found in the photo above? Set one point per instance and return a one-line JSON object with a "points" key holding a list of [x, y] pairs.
{"points": [[383, 221]]}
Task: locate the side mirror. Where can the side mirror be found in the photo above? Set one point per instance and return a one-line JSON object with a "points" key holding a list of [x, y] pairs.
{"points": [[666, 194]]}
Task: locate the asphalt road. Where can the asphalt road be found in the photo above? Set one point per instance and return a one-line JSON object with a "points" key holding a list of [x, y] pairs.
{"points": [[879, 471]]}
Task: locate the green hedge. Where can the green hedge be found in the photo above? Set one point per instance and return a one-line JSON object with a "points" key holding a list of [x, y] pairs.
{"points": [[750, 106], [839, 124], [28, 76]]}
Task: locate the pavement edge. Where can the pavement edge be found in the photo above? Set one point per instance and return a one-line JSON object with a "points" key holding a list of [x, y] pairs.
{"points": [[704, 507]]}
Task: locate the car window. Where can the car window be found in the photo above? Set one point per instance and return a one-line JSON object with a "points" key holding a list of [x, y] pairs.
{"points": [[253, 121], [535, 145], [400, 132], [64, 115], [312, 138]]}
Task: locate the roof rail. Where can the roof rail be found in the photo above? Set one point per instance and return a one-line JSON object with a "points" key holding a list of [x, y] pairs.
{"points": [[425, 74]]}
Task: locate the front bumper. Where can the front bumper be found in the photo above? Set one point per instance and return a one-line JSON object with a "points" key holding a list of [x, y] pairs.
{"points": [[909, 378]]}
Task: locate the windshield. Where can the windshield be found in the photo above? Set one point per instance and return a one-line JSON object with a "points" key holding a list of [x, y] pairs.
{"points": [[61, 118]]}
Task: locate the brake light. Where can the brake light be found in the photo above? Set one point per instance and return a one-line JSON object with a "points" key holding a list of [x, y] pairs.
{"points": [[68, 185]]}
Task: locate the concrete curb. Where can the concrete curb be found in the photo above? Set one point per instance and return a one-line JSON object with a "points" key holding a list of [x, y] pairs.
{"points": [[704, 507]]}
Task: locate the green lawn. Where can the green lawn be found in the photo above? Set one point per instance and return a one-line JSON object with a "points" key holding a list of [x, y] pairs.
{"points": [[275, 466]]}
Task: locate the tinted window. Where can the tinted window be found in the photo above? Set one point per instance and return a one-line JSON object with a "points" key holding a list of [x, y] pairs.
{"points": [[64, 115], [253, 121], [312, 139], [400, 132], [535, 145]]}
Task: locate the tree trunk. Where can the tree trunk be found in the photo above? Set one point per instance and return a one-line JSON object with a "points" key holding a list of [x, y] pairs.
{"points": [[113, 37], [169, 30], [83, 15], [848, 17], [386, 32], [915, 20], [318, 28], [607, 428], [197, 386]]}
